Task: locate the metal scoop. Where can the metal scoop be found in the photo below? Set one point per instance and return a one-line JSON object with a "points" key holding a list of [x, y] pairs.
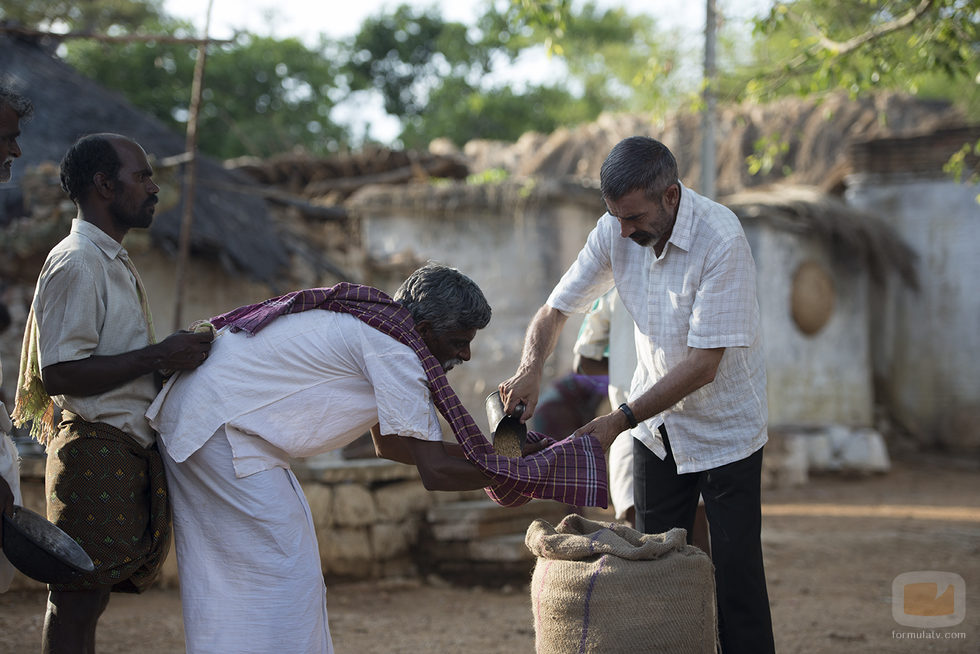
{"points": [[508, 434]]}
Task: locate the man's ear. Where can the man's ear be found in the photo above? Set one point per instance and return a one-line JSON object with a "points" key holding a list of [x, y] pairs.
{"points": [[672, 195], [424, 328], [104, 185]]}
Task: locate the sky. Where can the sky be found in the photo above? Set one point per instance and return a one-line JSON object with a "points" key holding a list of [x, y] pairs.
{"points": [[308, 19]]}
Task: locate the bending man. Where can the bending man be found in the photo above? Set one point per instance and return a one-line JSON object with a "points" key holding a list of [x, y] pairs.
{"points": [[295, 385]]}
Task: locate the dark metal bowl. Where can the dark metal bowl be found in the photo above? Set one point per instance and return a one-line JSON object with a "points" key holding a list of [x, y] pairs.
{"points": [[41, 550], [508, 434]]}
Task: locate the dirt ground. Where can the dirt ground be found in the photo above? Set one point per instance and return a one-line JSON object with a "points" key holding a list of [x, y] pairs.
{"points": [[832, 549]]}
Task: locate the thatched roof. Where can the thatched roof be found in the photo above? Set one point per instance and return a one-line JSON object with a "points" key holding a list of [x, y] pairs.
{"points": [[227, 224], [850, 234], [809, 140], [922, 155]]}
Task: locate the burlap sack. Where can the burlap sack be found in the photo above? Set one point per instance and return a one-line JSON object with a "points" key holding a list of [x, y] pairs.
{"points": [[606, 588]]}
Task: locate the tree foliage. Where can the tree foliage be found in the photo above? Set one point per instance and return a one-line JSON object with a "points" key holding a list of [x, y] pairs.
{"points": [[924, 47], [441, 78], [433, 75], [88, 16]]}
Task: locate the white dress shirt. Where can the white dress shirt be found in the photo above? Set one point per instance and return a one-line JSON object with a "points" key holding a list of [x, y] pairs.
{"points": [[699, 293], [307, 383]]}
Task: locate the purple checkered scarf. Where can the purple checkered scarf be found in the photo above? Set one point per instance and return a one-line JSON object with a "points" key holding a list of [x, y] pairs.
{"points": [[571, 471]]}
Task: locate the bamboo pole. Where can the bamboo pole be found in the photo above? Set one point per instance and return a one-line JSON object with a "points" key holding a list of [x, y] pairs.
{"points": [[190, 174], [708, 113]]}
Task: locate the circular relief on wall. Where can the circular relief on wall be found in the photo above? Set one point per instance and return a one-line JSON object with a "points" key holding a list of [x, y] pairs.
{"points": [[812, 298]]}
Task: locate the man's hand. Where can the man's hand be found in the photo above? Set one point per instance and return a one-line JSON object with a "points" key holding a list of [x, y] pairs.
{"points": [[605, 428], [523, 387], [183, 350], [539, 343], [533, 448]]}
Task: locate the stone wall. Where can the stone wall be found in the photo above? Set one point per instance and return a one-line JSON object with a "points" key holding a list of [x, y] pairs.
{"points": [[369, 515]]}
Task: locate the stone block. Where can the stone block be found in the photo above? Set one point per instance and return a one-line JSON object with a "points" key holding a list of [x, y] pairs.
{"points": [[402, 567], [401, 500], [342, 547], [353, 506], [508, 548], [392, 539], [320, 498], [483, 518]]}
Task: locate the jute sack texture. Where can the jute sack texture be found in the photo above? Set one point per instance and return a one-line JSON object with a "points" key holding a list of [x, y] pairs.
{"points": [[609, 589]]}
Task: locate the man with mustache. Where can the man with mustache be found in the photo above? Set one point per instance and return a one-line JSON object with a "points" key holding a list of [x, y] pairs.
{"points": [[296, 376], [697, 406], [13, 108], [89, 351]]}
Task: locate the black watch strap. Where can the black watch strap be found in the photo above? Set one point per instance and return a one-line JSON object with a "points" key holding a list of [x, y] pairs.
{"points": [[630, 418]]}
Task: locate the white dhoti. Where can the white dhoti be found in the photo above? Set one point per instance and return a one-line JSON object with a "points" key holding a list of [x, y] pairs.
{"points": [[250, 576], [9, 470]]}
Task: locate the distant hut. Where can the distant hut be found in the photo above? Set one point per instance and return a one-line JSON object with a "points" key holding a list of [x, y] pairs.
{"points": [[819, 262], [927, 343], [238, 254]]}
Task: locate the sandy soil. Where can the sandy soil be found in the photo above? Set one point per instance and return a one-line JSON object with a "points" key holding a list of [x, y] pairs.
{"points": [[832, 547]]}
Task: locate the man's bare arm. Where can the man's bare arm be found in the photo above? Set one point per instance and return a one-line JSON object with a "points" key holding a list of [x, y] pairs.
{"points": [[182, 350], [539, 343], [438, 463]]}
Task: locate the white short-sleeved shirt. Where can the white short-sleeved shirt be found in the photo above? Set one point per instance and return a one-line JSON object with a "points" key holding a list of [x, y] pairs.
{"points": [[307, 383], [86, 304], [700, 293]]}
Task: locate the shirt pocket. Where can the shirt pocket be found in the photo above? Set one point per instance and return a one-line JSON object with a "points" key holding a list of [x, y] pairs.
{"points": [[677, 319]]}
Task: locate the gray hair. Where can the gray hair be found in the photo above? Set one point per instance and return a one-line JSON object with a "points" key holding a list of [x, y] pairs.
{"points": [[23, 107], [445, 297], [637, 162]]}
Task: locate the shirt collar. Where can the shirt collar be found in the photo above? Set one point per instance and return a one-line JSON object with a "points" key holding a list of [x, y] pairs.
{"points": [[103, 241], [682, 235]]}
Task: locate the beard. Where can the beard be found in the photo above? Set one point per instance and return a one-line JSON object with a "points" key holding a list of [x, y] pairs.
{"points": [[5, 171], [642, 238], [449, 365], [140, 218]]}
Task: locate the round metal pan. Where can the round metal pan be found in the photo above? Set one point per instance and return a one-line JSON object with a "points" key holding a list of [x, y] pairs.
{"points": [[41, 550]]}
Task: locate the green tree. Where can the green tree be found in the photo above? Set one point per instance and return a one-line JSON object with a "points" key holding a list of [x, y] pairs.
{"points": [[89, 16], [262, 95], [621, 61], [433, 75], [929, 48]]}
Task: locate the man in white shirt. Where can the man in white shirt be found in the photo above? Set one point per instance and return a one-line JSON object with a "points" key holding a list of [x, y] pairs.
{"points": [[13, 108], [305, 383], [89, 350], [684, 270]]}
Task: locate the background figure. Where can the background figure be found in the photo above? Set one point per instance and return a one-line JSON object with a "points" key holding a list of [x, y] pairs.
{"points": [[606, 344], [568, 403], [13, 108]]}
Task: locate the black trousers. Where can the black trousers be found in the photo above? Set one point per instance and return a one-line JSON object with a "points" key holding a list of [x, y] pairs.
{"points": [[732, 501]]}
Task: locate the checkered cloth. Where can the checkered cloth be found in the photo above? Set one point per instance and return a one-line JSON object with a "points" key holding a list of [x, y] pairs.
{"points": [[572, 471]]}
